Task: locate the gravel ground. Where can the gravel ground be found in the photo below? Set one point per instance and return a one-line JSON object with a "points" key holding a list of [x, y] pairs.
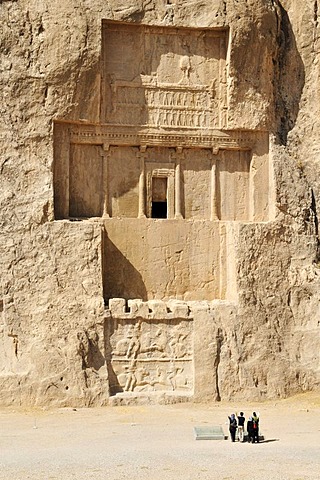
{"points": [[158, 443]]}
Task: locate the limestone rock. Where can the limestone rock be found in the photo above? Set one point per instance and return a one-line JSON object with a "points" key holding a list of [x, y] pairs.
{"points": [[159, 168]]}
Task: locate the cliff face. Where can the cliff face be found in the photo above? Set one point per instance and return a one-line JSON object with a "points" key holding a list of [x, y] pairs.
{"points": [[52, 328]]}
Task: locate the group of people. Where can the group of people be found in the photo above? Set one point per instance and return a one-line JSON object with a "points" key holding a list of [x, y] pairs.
{"points": [[238, 423]]}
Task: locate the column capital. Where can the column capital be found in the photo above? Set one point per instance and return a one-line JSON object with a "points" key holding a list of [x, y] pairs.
{"points": [[179, 150], [215, 150], [142, 152], [143, 148]]}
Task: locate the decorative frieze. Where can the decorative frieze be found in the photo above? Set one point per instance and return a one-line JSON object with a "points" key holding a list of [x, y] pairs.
{"points": [[150, 310], [109, 134]]}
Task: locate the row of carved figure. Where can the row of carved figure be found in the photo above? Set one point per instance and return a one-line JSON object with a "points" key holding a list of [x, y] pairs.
{"points": [[143, 355], [166, 343], [134, 377], [178, 99], [160, 117]]}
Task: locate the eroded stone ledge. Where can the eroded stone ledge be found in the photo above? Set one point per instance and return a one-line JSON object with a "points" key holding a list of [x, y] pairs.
{"points": [[133, 308]]}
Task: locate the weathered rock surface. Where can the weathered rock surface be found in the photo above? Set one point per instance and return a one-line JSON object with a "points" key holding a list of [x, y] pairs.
{"points": [[256, 337]]}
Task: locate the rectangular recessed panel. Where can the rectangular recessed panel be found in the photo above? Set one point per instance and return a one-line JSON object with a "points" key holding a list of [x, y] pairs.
{"points": [[85, 181], [163, 76], [146, 356]]}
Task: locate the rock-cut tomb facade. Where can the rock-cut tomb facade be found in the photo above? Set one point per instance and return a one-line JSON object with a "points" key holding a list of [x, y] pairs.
{"points": [[170, 182]]}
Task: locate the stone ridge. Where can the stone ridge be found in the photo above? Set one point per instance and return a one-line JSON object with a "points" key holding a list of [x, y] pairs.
{"points": [[158, 309], [149, 310]]}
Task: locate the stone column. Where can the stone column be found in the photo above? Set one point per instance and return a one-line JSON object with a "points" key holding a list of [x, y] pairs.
{"points": [[177, 190], [213, 197], [105, 179], [170, 196], [142, 182], [251, 196]]}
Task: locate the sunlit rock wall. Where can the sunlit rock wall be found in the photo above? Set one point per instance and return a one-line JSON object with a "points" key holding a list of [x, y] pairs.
{"points": [[52, 332]]}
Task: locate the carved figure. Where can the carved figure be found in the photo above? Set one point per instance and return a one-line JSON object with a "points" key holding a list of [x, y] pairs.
{"points": [[130, 377], [121, 347], [151, 97], [177, 346], [161, 376], [144, 379], [203, 119], [185, 99], [169, 15], [185, 68], [172, 374], [157, 343], [174, 118], [134, 342], [157, 118]]}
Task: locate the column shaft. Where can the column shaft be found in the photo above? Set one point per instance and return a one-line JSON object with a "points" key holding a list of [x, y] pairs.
{"points": [[177, 189], [142, 188], [213, 209]]}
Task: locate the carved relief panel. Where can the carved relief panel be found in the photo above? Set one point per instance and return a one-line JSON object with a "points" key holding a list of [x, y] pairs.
{"points": [[177, 79], [150, 356]]}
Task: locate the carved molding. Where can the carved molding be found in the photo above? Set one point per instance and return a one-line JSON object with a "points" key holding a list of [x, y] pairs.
{"points": [[122, 136]]}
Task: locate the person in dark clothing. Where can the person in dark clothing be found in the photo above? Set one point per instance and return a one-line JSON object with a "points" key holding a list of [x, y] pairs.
{"points": [[232, 427], [250, 429], [241, 421], [255, 427]]}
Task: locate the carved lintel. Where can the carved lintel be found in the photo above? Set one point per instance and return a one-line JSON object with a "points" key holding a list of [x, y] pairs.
{"points": [[120, 136]]}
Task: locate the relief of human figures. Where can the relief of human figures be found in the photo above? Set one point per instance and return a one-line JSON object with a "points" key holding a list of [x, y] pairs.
{"points": [[171, 343], [153, 357], [141, 378], [130, 345]]}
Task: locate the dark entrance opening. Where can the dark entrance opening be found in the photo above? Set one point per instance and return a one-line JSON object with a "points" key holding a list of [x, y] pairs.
{"points": [[159, 210], [159, 207]]}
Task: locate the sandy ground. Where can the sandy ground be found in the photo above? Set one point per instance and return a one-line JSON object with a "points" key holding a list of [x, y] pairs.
{"points": [[158, 443]]}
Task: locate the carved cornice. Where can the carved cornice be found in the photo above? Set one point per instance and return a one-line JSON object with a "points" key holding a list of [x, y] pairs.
{"points": [[115, 135]]}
